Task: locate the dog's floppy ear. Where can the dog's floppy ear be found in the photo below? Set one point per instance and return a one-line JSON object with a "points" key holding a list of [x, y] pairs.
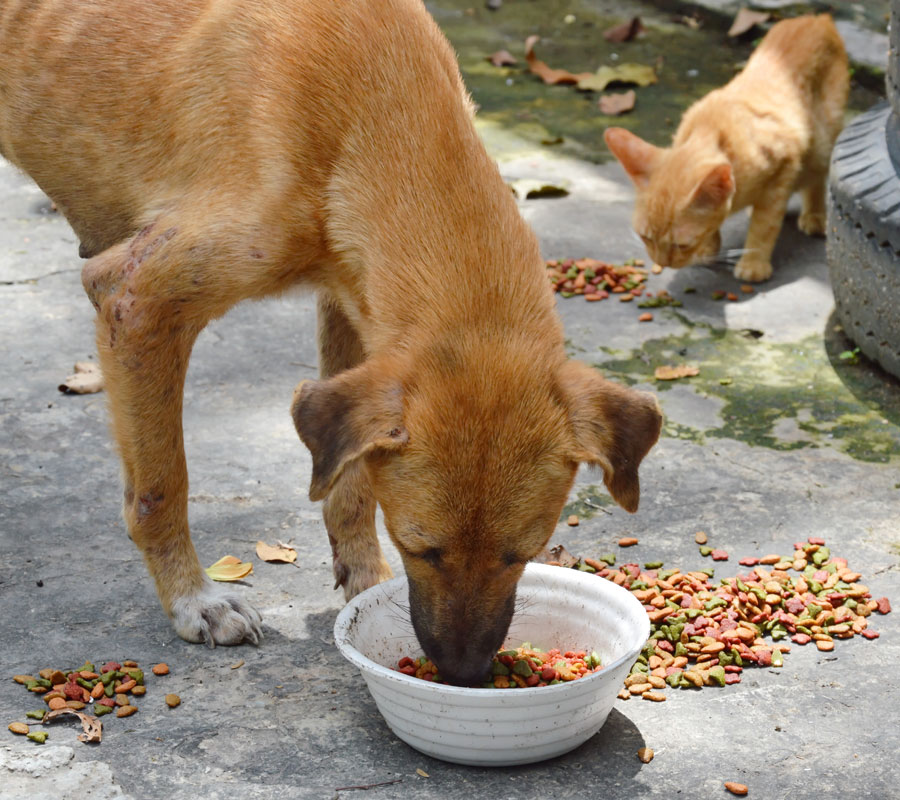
{"points": [[614, 428], [344, 418]]}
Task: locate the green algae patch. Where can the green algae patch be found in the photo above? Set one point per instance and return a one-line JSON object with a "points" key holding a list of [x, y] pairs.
{"points": [[588, 502], [783, 396]]}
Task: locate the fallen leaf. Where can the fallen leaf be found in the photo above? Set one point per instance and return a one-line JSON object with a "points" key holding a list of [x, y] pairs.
{"points": [[279, 552], [563, 556], [238, 665], [93, 727], [671, 373], [544, 72], [624, 32], [640, 74], [422, 773], [746, 19], [614, 104], [229, 568], [531, 189], [87, 379], [502, 58]]}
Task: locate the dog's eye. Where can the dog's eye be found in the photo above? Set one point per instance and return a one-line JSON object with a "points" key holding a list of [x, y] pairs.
{"points": [[432, 556]]}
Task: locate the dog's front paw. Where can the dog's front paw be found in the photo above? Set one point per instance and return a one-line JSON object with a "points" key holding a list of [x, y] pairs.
{"points": [[358, 578], [752, 269], [216, 615], [812, 224]]}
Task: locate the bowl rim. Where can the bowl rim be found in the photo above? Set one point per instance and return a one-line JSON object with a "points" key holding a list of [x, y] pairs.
{"points": [[366, 665]]}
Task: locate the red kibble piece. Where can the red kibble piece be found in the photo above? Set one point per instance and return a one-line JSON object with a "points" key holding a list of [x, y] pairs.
{"points": [[110, 666], [548, 674], [732, 677], [409, 669], [406, 661], [533, 680], [870, 634], [107, 701], [801, 638], [719, 555], [748, 562], [816, 540], [884, 605], [733, 668]]}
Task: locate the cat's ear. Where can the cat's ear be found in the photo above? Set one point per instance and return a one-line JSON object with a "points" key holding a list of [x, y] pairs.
{"points": [[716, 188], [638, 157]]}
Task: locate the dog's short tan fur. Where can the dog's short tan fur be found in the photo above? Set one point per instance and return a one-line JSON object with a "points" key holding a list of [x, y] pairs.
{"points": [[208, 152]]}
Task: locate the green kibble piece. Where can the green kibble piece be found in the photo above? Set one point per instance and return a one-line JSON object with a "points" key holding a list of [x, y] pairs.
{"points": [[814, 610], [589, 273], [510, 653], [499, 669], [585, 567], [652, 564], [850, 603], [522, 668], [718, 675], [30, 685], [665, 574], [815, 587], [38, 736], [708, 571], [638, 585], [680, 650], [725, 659], [804, 629], [777, 658], [106, 677], [86, 667], [43, 682], [110, 687], [705, 550], [39, 714], [572, 273], [99, 710], [821, 556], [594, 659], [642, 668], [674, 679], [85, 683], [137, 675], [554, 682], [609, 558]]}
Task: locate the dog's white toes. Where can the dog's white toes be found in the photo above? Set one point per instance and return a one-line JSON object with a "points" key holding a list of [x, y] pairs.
{"points": [[216, 615]]}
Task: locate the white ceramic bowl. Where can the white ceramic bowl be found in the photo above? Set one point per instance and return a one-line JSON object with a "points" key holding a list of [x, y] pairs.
{"points": [[559, 607]]}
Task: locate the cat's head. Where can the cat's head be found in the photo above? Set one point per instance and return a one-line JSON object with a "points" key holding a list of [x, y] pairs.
{"points": [[683, 196]]}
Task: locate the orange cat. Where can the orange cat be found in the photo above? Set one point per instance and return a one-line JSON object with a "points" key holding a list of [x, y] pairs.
{"points": [[751, 143]]}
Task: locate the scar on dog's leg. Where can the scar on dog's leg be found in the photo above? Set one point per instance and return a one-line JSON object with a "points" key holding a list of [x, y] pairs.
{"points": [[149, 313], [349, 509]]}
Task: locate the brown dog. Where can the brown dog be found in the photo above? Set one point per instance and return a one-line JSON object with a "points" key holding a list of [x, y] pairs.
{"points": [[208, 152]]}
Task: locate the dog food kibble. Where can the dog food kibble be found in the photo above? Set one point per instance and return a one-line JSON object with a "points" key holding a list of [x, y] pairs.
{"points": [[524, 667], [173, 700], [705, 633], [645, 754], [112, 687], [700, 537], [596, 280], [736, 788], [572, 521], [627, 541]]}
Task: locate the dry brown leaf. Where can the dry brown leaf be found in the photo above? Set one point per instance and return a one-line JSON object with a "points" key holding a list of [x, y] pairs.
{"points": [[87, 379], [229, 568], [563, 556], [93, 727], [746, 19], [625, 32], [280, 552], [548, 74], [421, 772], [671, 373], [502, 58], [614, 104], [640, 74]]}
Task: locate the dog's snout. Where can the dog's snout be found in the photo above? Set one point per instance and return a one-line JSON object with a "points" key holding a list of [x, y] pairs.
{"points": [[465, 669]]}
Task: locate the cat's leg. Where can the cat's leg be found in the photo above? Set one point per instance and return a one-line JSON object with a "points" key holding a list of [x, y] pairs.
{"points": [[349, 508], [765, 223], [812, 213]]}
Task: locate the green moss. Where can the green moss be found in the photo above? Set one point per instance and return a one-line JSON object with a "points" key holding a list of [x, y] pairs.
{"points": [[589, 501], [829, 403]]}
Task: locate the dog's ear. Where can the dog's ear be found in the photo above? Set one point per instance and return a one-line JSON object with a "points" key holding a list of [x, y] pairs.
{"points": [[344, 418], [614, 428]]}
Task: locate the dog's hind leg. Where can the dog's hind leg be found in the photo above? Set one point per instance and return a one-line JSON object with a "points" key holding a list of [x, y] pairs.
{"points": [[153, 295], [349, 508]]}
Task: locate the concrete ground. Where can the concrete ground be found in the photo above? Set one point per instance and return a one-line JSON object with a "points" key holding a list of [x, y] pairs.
{"points": [[777, 439]]}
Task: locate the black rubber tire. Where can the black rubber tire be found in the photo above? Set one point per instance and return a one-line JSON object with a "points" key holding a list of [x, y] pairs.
{"points": [[892, 80], [863, 245]]}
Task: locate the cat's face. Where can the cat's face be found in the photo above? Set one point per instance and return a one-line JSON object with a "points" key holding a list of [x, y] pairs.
{"points": [[682, 198]]}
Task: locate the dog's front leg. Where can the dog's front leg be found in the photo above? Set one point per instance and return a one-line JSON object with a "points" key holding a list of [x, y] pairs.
{"points": [[153, 296], [349, 508]]}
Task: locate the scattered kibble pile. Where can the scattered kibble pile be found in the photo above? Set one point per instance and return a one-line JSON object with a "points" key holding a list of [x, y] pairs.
{"points": [[113, 687], [596, 280], [706, 634], [526, 666]]}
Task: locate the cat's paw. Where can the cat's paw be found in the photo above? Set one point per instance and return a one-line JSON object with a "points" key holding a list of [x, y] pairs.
{"points": [[215, 615], [753, 269], [812, 223]]}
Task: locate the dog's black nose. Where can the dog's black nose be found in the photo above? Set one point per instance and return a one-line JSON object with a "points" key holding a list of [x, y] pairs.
{"points": [[465, 670]]}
